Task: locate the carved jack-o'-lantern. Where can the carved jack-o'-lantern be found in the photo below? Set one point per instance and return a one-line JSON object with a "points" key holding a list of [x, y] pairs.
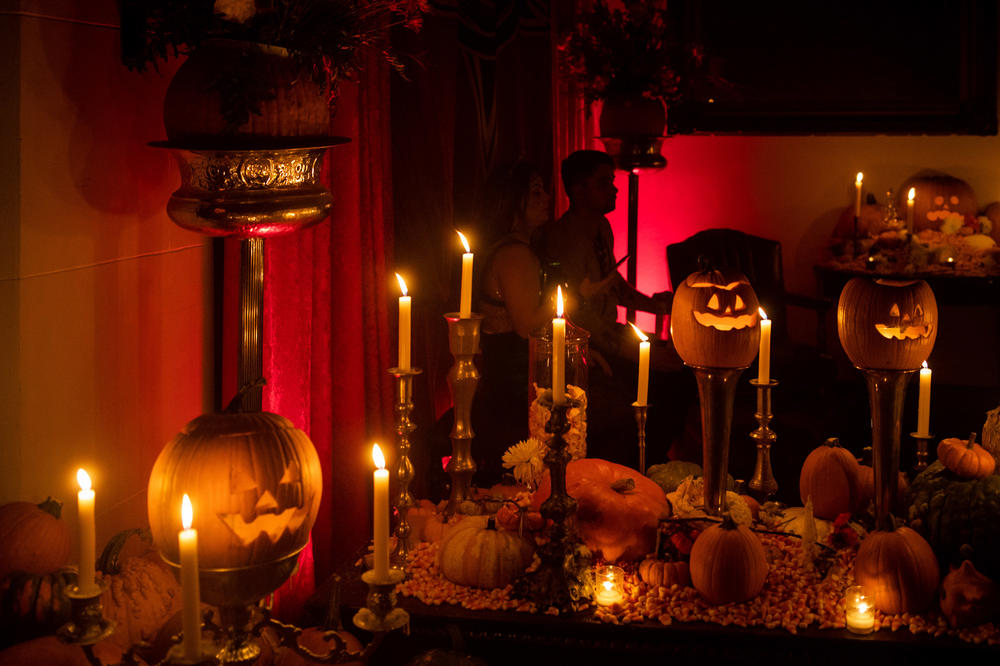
{"points": [[887, 324], [714, 320], [937, 197], [255, 483]]}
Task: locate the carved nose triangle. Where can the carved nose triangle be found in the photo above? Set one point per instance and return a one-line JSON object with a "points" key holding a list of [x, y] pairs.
{"points": [[266, 503]]}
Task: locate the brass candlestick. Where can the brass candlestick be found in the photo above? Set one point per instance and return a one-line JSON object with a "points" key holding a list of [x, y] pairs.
{"points": [[380, 612], [640, 422], [562, 580], [404, 467], [716, 392], [922, 453], [886, 391], [763, 483], [88, 624], [463, 378]]}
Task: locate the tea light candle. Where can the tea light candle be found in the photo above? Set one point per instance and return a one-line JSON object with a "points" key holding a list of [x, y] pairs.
{"points": [[85, 508], [404, 325], [924, 402], [859, 613], [559, 352], [187, 540], [764, 358], [642, 391], [608, 585], [909, 208], [465, 302], [857, 199], [381, 513]]}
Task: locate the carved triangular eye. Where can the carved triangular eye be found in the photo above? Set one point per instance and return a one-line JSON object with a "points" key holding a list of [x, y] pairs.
{"points": [[713, 303], [266, 503], [894, 310], [291, 475], [918, 311], [739, 305], [240, 481]]}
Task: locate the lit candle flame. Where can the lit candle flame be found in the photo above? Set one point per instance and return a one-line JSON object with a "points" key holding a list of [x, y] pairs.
{"points": [[860, 178], [187, 512], [378, 457], [608, 585], [559, 302], [83, 479], [763, 315], [465, 242], [862, 607], [911, 194], [925, 364], [638, 331], [402, 283]]}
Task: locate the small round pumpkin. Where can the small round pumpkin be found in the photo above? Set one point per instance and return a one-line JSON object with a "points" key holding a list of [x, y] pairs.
{"points": [[887, 324], [965, 457], [899, 570], [33, 539], [714, 320], [34, 604], [830, 475], [659, 572], [968, 597], [477, 554], [512, 517], [728, 564], [618, 509]]}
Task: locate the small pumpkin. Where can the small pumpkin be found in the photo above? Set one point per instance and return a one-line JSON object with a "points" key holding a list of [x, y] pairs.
{"points": [[659, 572], [830, 475], [898, 569], [427, 522], [34, 604], [714, 320], [618, 509], [477, 554], [968, 597], [140, 599], [965, 457], [33, 539], [887, 324], [514, 518], [728, 564]]}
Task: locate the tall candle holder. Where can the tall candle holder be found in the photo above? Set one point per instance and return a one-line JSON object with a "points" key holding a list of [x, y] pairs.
{"points": [[640, 422], [87, 624], [380, 612], [763, 483], [463, 378], [404, 466], [562, 580], [886, 392], [922, 452], [716, 393]]}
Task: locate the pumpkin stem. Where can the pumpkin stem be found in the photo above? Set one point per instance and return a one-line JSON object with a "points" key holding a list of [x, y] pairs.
{"points": [[704, 263], [51, 506], [491, 523], [972, 440], [623, 485], [727, 522], [832, 441], [234, 405]]}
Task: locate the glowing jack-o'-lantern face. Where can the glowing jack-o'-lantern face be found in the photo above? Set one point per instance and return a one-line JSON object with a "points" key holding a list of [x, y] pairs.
{"points": [[255, 483], [937, 198], [887, 324], [714, 320]]}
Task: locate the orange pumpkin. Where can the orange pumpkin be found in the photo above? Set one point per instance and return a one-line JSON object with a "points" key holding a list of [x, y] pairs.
{"points": [[968, 597], [50, 651], [965, 457], [714, 320], [898, 569], [728, 564], [477, 554], [866, 476], [141, 596], [831, 476], [936, 197], [658, 572], [32, 537], [618, 509], [34, 604], [254, 481], [887, 324], [513, 518]]}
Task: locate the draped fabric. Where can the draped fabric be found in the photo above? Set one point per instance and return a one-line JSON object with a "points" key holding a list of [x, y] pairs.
{"points": [[327, 330]]}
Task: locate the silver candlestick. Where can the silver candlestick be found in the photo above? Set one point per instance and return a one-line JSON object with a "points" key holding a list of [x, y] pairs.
{"points": [[763, 483], [404, 467]]}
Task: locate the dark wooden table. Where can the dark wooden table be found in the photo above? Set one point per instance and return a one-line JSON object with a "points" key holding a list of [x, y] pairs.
{"points": [[521, 639]]}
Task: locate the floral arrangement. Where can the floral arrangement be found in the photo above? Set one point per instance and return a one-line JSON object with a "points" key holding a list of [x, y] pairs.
{"points": [[627, 52], [576, 437], [525, 460], [323, 36]]}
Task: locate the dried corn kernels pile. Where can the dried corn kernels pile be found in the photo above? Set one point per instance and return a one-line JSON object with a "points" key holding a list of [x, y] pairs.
{"points": [[794, 597]]}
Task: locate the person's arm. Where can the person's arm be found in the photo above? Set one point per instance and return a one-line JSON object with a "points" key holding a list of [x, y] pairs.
{"points": [[517, 270], [630, 297]]}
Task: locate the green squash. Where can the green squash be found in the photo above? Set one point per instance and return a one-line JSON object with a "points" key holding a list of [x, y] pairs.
{"points": [[669, 475], [956, 515]]}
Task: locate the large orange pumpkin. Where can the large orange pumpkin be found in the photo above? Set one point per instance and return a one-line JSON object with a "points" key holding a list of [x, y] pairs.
{"points": [[936, 197], [618, 509], [831, 476], [32, 537], [728, 564], [898, 569], [476, 553], [714, 320], [887, 324], [254, 481]]}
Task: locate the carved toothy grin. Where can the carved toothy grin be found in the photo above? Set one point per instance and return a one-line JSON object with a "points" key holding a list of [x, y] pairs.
{"points": [[272, 525], [903, 332], [709, 320]]}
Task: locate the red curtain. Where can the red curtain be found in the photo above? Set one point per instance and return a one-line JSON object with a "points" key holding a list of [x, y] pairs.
{"points": [[327, 329]]}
